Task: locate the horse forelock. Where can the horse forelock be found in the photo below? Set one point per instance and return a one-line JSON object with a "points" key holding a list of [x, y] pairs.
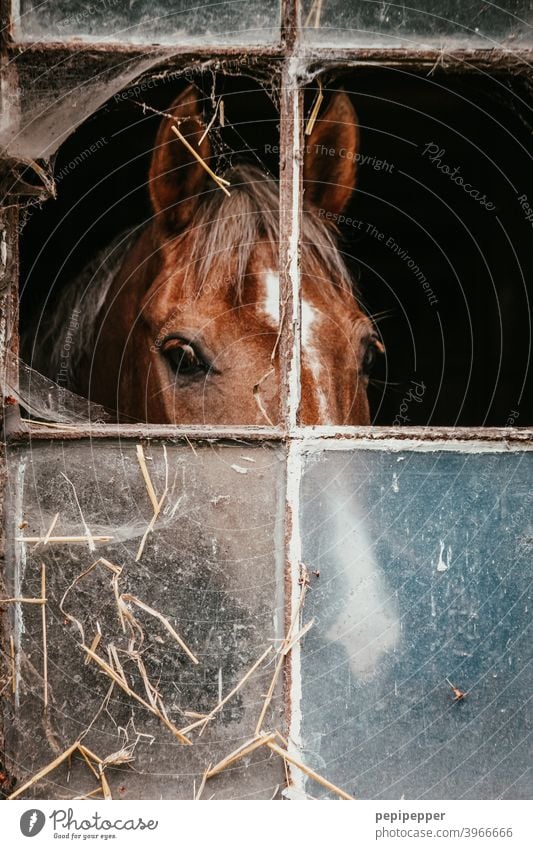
{"points": [[214, 254]]}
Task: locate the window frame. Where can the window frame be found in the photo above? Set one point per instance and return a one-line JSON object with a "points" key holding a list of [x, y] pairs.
{"points": [[297, 64]]}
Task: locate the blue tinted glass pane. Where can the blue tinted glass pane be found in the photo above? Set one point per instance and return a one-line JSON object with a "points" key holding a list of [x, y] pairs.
{"points": [[374, 22], [424, 564], [161, 21]]}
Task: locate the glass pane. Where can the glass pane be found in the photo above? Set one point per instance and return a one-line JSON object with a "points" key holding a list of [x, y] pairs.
{"points": [[212, 566], [162, 22], [418, 174], [149, 284], [372, 22], [424, 563]]}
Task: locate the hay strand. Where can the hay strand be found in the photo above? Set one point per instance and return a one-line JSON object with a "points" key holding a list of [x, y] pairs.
{"points": [[147, 479], [166, 624], [150, 527], [45, 770], [220, 705], [246, 749], [116, 570], [95, 643], [301, 633], [287, 643], [50, 529], [74, 540], [310, 772], [89, 536], [315, 110], [20, 600], [221, 183], [198, 794], [111, 673]]}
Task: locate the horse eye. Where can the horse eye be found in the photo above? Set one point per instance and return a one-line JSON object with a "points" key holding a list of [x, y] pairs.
{"points": [[369, 359], [183, 359]]}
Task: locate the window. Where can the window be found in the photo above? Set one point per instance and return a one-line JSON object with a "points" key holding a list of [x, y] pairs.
{"points": [[182, 589]]}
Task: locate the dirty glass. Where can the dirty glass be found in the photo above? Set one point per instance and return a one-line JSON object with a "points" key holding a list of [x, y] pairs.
{"points": [[160, 22], [211, 566], [52, 100], [372, 22], [416, 674]]}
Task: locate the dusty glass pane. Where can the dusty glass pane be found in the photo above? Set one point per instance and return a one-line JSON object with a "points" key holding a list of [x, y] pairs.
{"points": [[161, 22], [424, 563], [372, 22], [211, 566]]}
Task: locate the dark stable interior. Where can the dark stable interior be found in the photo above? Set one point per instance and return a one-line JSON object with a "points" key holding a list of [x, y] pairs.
{"points": [[446, 274]]}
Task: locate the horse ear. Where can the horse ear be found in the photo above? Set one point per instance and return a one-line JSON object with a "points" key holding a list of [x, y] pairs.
{"points": [[176, 178], [330, 158]]}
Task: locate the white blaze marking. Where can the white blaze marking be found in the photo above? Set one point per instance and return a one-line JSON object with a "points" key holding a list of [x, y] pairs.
{"points": [[271, 305], [310, 344]]}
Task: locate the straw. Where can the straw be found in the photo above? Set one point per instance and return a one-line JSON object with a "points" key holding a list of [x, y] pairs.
{"points": [[221, 183], [311, 773]]}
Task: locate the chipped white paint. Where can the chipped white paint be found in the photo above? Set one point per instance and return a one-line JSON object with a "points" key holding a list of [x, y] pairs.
{"points": [[294, 554], [240, 469], [312, 439], [293, 82], [395, 484], [3, 254], [19, 575], [294, 458]]}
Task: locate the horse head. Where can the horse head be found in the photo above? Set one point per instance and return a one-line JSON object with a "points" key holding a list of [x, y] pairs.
{"points": [[188, 332]]}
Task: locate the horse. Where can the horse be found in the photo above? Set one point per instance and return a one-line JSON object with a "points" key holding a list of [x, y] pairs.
{"points": [[180, 323]]}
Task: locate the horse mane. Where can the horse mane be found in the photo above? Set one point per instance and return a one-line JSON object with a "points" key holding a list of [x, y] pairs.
{"points": [[224, 232], [216, 247]]}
